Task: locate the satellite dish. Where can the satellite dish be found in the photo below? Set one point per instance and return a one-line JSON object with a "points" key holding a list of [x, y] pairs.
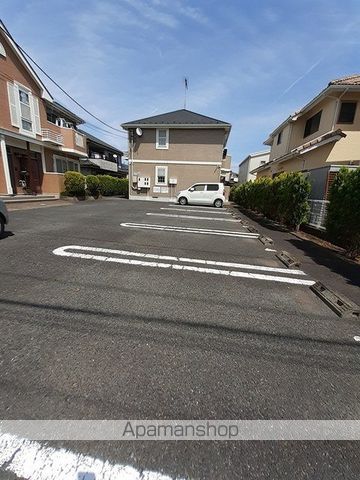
{"points": [[138, 132]]}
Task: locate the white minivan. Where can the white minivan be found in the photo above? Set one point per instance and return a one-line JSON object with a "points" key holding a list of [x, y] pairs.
{"points": [[203, 194]]}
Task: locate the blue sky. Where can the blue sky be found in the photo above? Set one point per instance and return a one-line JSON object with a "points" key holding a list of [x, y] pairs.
{"points": [[250, 63]]}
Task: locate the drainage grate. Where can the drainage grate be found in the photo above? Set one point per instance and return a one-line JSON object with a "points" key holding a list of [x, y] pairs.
{"points": [[266, 240], [342, 306], [252, 229], [287, 259]]}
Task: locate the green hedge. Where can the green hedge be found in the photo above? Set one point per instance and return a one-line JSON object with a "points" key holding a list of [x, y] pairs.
{"points": [[74, 183], [77, 184], [343, 216], [112, 185], [283, 198]]}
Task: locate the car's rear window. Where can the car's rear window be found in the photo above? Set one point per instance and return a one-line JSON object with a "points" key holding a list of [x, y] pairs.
{"points": [[212, 187]]}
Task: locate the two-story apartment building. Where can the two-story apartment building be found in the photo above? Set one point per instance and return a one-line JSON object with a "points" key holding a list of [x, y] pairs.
{"points": [[38, 137], [252, 161], [103, 159], [171, 151], [320, 138]]}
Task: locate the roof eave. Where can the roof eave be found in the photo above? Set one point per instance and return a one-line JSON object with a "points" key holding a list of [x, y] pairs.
{"points": [[45, 94], [127, 126]]}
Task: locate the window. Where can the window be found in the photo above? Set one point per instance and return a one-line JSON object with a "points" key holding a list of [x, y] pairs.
{"points": [[312, 124], [162, 138], [62, 165], [279, 138], [347, 112], [2, 51], [198, 188], [161, 175], [25, 110], [213, 187]]}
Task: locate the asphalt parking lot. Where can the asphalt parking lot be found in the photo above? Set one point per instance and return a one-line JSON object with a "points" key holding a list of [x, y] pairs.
{"points": [[145, 310]]}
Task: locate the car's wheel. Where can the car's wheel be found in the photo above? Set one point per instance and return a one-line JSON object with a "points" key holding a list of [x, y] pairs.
{"points": [[218, 203], [182, 201], [2, 226]]}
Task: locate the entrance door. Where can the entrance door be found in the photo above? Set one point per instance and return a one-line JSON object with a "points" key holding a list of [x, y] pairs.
{"points": [[25, 167], [34, 173]]}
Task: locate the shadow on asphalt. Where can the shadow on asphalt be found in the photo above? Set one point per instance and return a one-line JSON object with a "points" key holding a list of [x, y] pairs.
{"points": [[263, 221], [6, 234], [326, 258], [202, 335]]}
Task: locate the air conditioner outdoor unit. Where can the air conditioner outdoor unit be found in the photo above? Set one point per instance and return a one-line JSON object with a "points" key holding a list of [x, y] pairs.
{"points": [[144, 182], [172, 181]]}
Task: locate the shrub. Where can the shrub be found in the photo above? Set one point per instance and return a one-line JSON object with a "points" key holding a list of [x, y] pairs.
{"points": [[343, 216], [93, 185], [74, 183], [283, 198], [113, 185]]}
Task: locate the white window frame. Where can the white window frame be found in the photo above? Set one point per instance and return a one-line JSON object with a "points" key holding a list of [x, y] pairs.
{"points": [[156, 175], [19, 86], [67, 160], [162, 147]]}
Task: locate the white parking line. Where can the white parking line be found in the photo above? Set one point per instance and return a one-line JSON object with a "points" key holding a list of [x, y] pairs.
{"points": [[209, 208], [32, 460], [195, 210], [192, 217], [63, 251], [203, 231]]}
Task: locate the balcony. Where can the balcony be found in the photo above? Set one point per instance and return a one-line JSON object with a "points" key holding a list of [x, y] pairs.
{"points": [[73, 140], [67, 139], [52, 137], [105, 164]]}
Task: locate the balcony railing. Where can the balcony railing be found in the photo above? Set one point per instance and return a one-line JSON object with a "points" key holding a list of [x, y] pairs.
{"points": [[52, 137], [105, 164]]}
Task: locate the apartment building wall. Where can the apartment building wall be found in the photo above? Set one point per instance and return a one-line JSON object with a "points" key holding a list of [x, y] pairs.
{"points": [[328, 108], [250, 163], [201, 150], [12, 69], [279, 149], [184, 144]]}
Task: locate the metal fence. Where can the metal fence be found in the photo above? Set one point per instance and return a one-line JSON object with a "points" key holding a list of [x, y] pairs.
{"points": [[318, 211]]}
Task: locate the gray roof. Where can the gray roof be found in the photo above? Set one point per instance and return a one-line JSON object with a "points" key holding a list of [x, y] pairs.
{"points": [[178, 117], [59, 108], [97, 141]]}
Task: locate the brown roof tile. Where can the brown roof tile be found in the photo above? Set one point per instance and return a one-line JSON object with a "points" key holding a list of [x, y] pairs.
{"points": [[350, 80]]}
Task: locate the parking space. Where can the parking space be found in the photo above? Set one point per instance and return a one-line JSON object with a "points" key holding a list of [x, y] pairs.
{"points": [[108, 312]]}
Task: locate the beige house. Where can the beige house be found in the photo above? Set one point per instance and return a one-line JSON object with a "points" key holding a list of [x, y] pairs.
{"points": [[172, 151], [320, 138]]}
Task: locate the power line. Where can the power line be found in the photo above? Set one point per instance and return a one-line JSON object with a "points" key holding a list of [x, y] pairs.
{"points": [[55, 83], [90, 125]]}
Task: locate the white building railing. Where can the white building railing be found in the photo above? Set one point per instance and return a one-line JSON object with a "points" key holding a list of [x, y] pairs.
{"points": [[318, 211], [51, 136]]}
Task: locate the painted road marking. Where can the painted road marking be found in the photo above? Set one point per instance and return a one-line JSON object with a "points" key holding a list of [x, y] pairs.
{"points": [[204, 231], [194, 210], [192, 217], [270, 250], [209, 207], [32, 460], [176, 265], [357, 338]]}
